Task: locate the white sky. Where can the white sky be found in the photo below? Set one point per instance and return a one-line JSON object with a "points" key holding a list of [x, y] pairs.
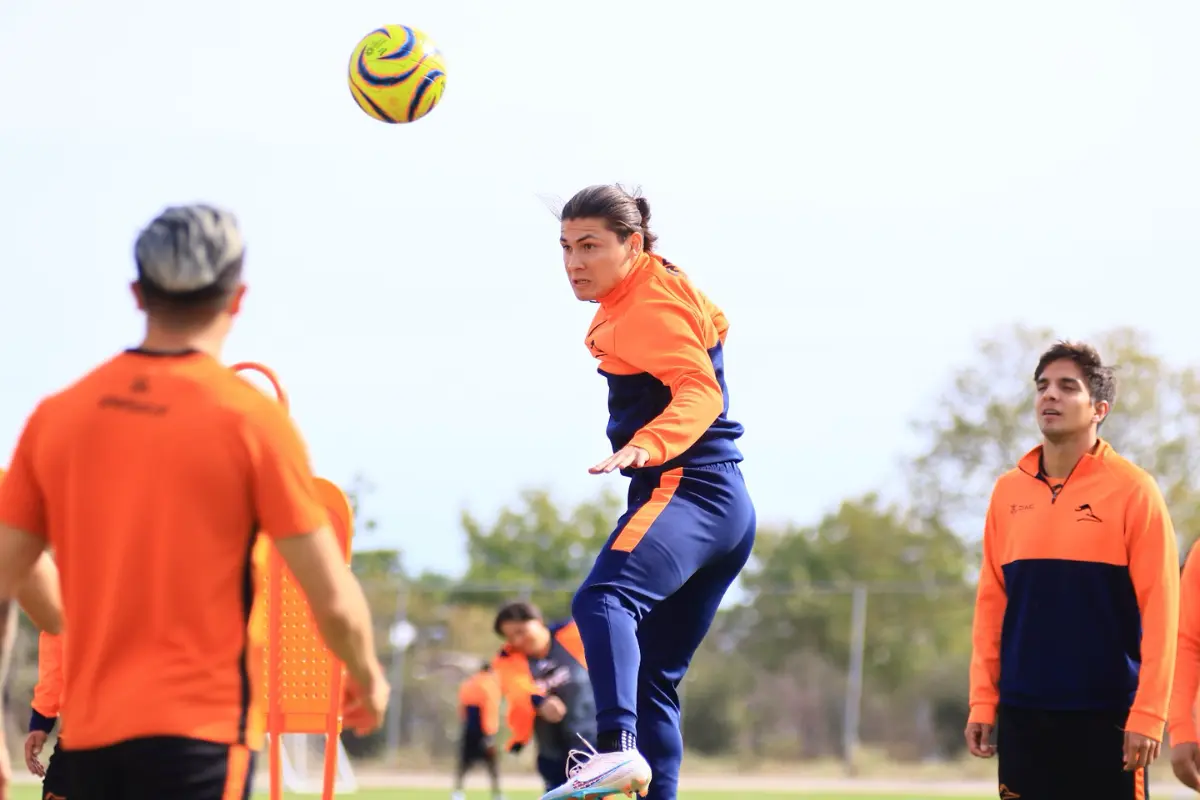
{"points": [[865, 187]]}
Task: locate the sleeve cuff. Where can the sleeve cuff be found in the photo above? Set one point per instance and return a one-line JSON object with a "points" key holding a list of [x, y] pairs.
{"points": [[983, 714], [1182, 732], [1147, 725], [40, 722]]}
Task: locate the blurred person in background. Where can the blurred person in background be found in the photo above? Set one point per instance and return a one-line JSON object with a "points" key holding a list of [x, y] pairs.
{"points": [[479, 713], [8, 635], [39, 595], [47, 700], [543, 677], [1181, 723]]}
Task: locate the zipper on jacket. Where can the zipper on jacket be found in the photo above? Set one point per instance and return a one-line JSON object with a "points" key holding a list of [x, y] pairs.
{"points": [[1055, 488]]}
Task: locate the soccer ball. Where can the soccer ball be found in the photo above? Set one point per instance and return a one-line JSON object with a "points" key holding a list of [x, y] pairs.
{"points": [[397, 74]]}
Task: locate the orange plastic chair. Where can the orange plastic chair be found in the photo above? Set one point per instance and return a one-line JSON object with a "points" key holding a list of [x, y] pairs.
{"points": [[304, 682]]}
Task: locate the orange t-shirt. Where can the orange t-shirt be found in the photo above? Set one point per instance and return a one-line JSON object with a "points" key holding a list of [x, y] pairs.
{"points": [[481, 691], [150, 479]]}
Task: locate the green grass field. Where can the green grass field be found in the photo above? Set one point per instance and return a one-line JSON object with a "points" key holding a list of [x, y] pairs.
{"points": [[433, 795], [34, 793], [428, 794]]}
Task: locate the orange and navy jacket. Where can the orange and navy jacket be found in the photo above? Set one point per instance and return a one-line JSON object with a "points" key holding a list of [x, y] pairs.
{"points": [[1181, 724], [660, 344], [1078, 605], [524, 687], [48, 693], [479, 705]]}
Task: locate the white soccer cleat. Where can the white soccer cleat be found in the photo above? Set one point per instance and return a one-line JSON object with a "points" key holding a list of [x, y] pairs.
{"points": [[458, 796], [592, 775]]}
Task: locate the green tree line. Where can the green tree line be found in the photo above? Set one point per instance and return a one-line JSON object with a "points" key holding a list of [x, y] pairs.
{"points": [[770, 681]]}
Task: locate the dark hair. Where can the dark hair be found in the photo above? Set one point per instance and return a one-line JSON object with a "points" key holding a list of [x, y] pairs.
{"points": [[1101, 384], [185, 308], [516, 611], [624, 213]]}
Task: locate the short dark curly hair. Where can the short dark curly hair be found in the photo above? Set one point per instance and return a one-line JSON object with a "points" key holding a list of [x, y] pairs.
{"points": [[1101, 383], [516, 611]]}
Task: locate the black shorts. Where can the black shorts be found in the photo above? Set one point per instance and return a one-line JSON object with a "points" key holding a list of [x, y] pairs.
{"points": [[1056, 755], [157, 767], [474, 750], [57, 783], [552, 770]]}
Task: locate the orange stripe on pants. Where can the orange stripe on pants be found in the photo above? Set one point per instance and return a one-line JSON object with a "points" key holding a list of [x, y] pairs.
{"points": [[644, 517], [237, 773], [1139, 784]]}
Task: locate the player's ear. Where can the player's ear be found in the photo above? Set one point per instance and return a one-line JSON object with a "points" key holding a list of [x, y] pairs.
{"points": [[1100, 411], [235, 302], [138, 297], [635, 242]]}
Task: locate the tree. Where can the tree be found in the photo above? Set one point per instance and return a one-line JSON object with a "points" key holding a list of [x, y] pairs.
{"points": [[797, 631], [381, 574], [380, 571], [536, 550], [985, 422], [918, 611], [358, 489], [712, 696]]}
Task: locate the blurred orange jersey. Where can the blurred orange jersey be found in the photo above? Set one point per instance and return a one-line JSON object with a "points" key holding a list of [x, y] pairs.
{"points": [[525, 682], [479, 703], [150, 478]]}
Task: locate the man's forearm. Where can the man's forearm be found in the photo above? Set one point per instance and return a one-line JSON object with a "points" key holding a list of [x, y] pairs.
{"points": [[347, 633], [40, 596]]}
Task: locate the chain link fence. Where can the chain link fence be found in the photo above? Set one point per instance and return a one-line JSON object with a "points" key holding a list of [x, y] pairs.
{"points": [[788, 676]]}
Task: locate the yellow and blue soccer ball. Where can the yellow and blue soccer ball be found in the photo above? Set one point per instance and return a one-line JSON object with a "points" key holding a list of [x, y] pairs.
{"points": [[397, 74]]}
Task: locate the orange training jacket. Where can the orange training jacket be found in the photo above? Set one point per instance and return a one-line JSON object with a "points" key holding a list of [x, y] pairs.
{"points": [[522, 693], [1078, 599], [660, 344], [1181, 724], [48, 693]]}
